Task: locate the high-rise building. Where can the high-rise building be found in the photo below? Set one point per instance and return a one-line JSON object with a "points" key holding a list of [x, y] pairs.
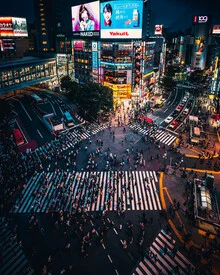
{"points": [[53, 24], [200, 32]]}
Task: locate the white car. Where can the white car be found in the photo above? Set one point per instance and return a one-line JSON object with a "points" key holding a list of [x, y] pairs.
{"points": [[186, 111], [168, 119]]}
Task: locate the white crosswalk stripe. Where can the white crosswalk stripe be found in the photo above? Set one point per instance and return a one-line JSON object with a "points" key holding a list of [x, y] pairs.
{"points": [[128, 190], [162, 257], [158, 134], [13, 258]]}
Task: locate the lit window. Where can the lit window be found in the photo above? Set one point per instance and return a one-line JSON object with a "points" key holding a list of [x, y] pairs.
{"points": [[41, 9], [41, 14], [44, 33], [43, 24], [44, 42], [43, 29], [42, 19]]}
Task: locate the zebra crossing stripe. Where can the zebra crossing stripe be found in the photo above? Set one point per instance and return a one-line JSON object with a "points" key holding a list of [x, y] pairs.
{"points": [[27, 200], [43, 191], [160, 135], [167, 262]]}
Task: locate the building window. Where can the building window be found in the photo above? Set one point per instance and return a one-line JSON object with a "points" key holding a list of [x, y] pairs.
{"points": [[43, 29], [43, 24], [44, 42], [41, 9], [42, 19], [44, 33]]}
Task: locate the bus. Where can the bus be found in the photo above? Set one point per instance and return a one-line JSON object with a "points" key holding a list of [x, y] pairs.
{"points": [[37, 99], [19, 140], [68, 119]]}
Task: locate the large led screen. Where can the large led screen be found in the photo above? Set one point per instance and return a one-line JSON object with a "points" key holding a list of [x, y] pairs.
{"points": [[121, 19], [13, 26], [85, 19]]}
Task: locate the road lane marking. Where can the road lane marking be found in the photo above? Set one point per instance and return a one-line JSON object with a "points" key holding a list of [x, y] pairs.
{"points": [[115, 231], [116, 271], [165, 110], [174, 98], [23, 108], [21, 131], [39, 133], [110, 259], [103, 245]]}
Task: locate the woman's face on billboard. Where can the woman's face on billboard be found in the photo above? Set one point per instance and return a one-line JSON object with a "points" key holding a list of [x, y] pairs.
{"points": [[107, 15], [84, 15]]}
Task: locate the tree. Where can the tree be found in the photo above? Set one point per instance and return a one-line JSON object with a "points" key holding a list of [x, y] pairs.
{"points": [[91, 98], [4, 109], [197, 76], [66, 83], [167, 84]]}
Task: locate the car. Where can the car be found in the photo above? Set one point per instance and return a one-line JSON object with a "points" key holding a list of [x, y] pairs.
{"points": [[179, 107], [174, 124], [175, 113], [181, 118], [186, 111], [168, 119], [18, 137]]}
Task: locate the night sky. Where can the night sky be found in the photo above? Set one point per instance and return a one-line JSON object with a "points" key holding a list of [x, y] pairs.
{"points": [[173, 14]]}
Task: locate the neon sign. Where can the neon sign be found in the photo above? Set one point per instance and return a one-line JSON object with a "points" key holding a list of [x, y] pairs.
{"points": [[202, 19]]}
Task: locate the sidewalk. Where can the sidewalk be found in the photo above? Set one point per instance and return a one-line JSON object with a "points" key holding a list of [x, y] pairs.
{"points": [[199, 243]]}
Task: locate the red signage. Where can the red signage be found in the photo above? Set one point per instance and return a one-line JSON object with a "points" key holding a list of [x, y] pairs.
{"points": [[6, 26], [158, 29], [216, 29]]}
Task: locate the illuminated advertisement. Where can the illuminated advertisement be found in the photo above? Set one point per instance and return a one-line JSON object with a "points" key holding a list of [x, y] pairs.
{"points": [[199, 45], [121, 19], [158, 29], [200, 19], [85, 20], [137, 49], [19, 26], [216, 29], [13, 26]]}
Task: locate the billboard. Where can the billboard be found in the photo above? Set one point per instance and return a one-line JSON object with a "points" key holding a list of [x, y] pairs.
{"points": [[121, 19], [85, 20], [216, 29], [200, 19], [13, 26], [158, 29], [199, 45]]}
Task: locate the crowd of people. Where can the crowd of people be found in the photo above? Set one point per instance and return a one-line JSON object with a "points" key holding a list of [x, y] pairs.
{"points": [[77, 224]]}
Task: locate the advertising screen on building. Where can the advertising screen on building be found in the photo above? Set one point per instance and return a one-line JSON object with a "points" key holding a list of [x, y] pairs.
{"points": [[158, 29], [85, 20], [13, 26], [121, 19], [216, 29], [199, 45]]}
